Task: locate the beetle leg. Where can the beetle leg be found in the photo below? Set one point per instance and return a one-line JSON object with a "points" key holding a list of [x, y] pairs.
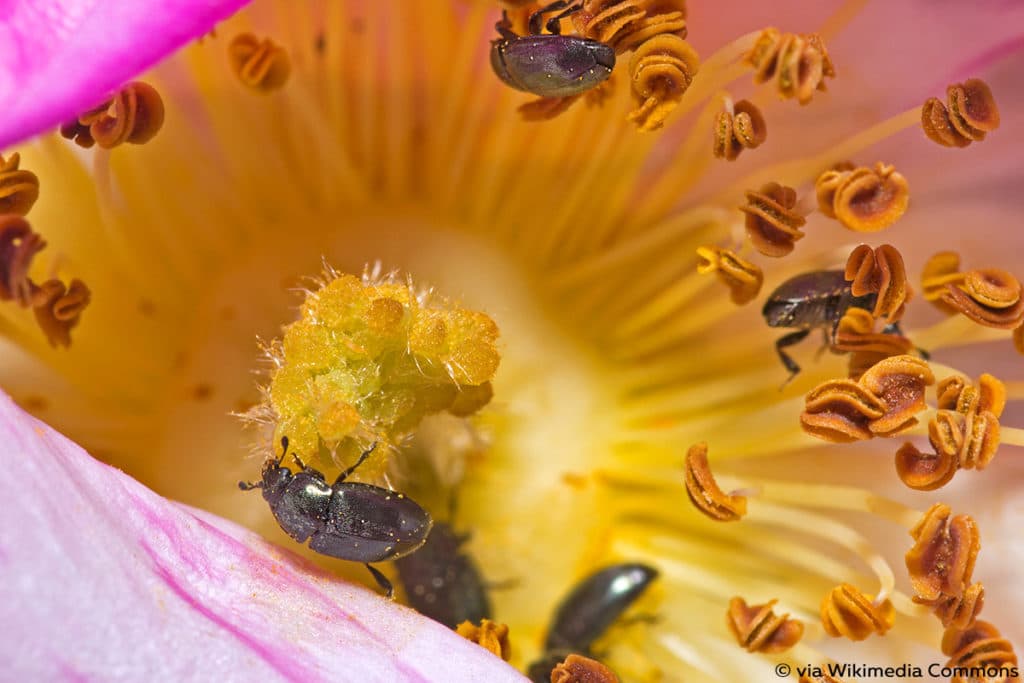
{"points": [[302, 465], [894, 328], [344, 475], [382, 581], [504, 27], [554, 24], [789, 340], [249, 486], [538, 16]]}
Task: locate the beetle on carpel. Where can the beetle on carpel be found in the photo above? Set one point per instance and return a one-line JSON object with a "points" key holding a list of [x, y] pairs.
{"points": [[593, 605], [347, 520], [816, 300], [550, 64]]}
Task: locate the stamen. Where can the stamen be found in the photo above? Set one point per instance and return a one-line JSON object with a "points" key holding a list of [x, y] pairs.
{"points": [[19, 189], [772, 224], [741, 126], [940, 270], [979, 646], [704, 492], [945, 550], [972, 113], [849, 613], [368, 360], [840, 411], [489, 635], [855, 333], [625, 24], [661, 70], [578, 669], [990, 297], [880, 271], [135, 115], [18, 246], [758, 629], [260, 64], [864, 199], [58, 308], [929, 471], [744, 279], [799, 63], [899, 382], [958, 612]]}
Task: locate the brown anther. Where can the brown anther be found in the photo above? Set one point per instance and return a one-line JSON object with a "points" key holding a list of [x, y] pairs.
{"points": [[957, 393], [19, 189], [847, 612], [940, 270], [758, 629], [899, 383], [544, 108], [992, 287], [840, 411], [579, 669], [741, 126], [864, 199], [625, 24], [18, 246], [58, 309], [135, 114], [489, 635], [945, 549], [704, 492], [981, 646], [880, 271], [925, 471], [855, 333], [772, 224], [958, 612], [988, 296], [971, 113], [1005, 318], [798, 63], [260, 64], [743, 278], [1018, 339], [661, 70]]}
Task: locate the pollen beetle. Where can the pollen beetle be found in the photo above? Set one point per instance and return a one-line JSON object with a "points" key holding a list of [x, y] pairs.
{"points": [[816, 300], [348, 520], [442, 582], [588, 610], [549, 65]]}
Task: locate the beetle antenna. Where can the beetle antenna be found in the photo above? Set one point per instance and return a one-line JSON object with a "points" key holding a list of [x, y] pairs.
{"points": [[249, 486], [284, 449]]}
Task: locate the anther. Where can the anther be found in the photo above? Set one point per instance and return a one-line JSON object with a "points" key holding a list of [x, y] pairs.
{"points": [[945, 549], [958, 612], [18, 246], [135, 114], [260, 64], [625, 24], [798, 63], [847, 612], [758, 629], [744, 279], [970, 113], [840, 411], [704, 492], [856, 333], [864, 199], [579, 669], [772, 223], [899, 382], [988, 296], [1018, 339], [741, 126], [58, 308], [880, 271], [981, 646], [489, 635], [661, 70], [19, 189]]}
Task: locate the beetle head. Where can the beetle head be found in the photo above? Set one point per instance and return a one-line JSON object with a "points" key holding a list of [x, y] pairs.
{"points": [[781, 312], [275, 479]]}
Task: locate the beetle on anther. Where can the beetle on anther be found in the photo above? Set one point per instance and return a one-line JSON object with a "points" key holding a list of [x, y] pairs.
{"points": [[549, 64], [816, 300], [348, 520]]}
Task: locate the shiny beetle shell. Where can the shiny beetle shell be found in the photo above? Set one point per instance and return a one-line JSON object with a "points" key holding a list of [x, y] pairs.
{"points": [[551, 65]]}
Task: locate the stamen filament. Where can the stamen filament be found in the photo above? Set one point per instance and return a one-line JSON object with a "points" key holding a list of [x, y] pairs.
{"points": [[1011, 435]]}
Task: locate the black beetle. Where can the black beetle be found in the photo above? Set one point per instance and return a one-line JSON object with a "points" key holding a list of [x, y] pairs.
{"points": [[443, 583], [549, 65], [589, 609], [816, 300], [348, 520]]}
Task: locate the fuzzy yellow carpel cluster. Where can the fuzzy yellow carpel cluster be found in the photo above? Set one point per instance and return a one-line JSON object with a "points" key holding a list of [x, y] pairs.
{"points": [[368, 359]]}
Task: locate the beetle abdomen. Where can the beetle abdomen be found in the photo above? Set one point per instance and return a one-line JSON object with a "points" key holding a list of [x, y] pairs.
{"points": [[552, 65], [368, 523]]}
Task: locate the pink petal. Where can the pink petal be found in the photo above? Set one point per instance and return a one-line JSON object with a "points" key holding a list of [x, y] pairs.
{"points": [[60, 57], [103, 579]]}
